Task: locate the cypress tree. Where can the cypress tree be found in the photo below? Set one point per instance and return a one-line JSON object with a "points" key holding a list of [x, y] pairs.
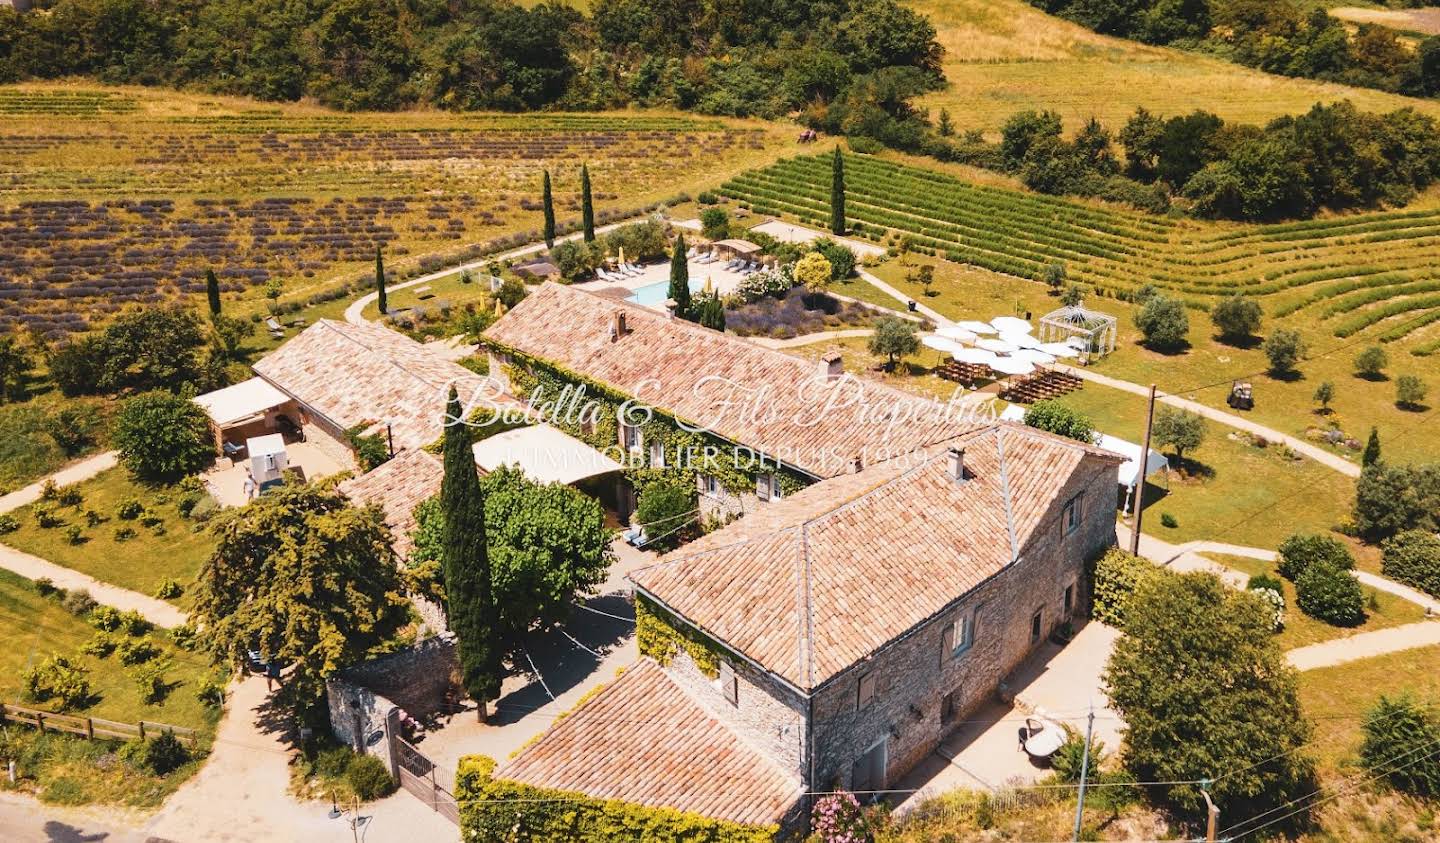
{"points": [[712, 313], [470, 607], [380, 281], [837, 193], [549, 203], [1371, 455], [587, 206], [212, 291], [680, 278]]}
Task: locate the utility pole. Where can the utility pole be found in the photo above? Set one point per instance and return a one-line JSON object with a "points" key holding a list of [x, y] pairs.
{"points": [[1140, 478], [1084, 769], [1212, 812]]}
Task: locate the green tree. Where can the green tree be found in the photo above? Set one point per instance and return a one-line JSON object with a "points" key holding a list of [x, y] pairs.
{"points": [[15, 366], [1301, 550], [666, 512], [1397, 730], [1409, 392], [679, 290], [587, 205], [1324, 394], [1181, 430], [546, 544], [1371, 454], [813, 272], [1284, 348], [1413, 557], [212, 291], [1061, 419], [470, 605], [1163, 321], [1237, 317], [1370, 363], [1054, 276], [1073, 296], [1204, 689], [715, 223], [548, 202], [710, 311], [380, 281], [163, 437], [146, 348], [945, 126], [841, 257], [305, 578], [837, 193], [894, 338], [1390, 498], [1330, 594]]}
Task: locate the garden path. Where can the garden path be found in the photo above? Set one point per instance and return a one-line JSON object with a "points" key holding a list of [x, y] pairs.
{"points": [[73, 473], [811, 339]]}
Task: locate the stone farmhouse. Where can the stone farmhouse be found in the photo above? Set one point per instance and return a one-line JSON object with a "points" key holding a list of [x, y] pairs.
{"points": [[835, 634]]}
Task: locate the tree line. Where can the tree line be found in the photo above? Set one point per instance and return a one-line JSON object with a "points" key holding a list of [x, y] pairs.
{"points": [[1276, 36], [737, 59]]}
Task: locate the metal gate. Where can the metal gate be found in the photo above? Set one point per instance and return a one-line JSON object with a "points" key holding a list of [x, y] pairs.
{"points": [[417, 775]]}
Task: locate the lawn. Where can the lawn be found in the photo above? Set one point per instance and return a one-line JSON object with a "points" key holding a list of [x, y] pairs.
{"points": [[34, 627], [29, 451], [1382, 608], [1004, 56], [1338, 697], [173, 550]]}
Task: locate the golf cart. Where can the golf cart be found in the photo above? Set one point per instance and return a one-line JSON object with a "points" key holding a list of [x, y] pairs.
{"points": [[1241, 396]]}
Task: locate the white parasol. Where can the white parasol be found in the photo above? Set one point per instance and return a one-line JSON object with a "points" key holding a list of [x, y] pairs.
{"points": [[940, 344], [980, 328], [1012, 366], [997, 346], [1059, 349], [1033, 356], [1019, 340], [1011, 324], [975, 355], [957, 333]]}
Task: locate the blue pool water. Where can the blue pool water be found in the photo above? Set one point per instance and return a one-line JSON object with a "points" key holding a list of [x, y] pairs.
{"points": [[654, 295]]}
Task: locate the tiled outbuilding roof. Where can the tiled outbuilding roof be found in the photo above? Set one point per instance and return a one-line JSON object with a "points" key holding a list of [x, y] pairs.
{"points": [[808, 586], [644, 739], [354, 374], [765, 399], [397, 486]]}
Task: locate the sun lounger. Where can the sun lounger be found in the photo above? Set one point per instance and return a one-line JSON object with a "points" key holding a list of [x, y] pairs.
{"points": [[603, 275], [694, 251]]}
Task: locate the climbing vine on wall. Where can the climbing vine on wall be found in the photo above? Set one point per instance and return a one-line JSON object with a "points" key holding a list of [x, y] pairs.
{"points": [[660, 636]]}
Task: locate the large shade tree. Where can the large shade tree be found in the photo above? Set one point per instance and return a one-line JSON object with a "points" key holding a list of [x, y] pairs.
{"points": [[304, 577], [1206, 693], [163, 437]]}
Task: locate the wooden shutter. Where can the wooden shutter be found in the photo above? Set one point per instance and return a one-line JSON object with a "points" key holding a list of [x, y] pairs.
{"points": [[762, 487], [865, 694], [947, 642], [729, 685]]}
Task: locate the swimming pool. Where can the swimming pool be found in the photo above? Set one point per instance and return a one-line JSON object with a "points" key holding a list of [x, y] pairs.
{"points": [[654, 295]]}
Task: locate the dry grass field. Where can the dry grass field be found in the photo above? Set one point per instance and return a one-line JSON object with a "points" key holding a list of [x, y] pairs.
{"points": [[1004, 56], [1415, 21], [110, 196]]}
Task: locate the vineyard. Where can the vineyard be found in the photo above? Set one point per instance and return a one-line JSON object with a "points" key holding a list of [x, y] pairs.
{"points": [[1372, 272], [113, 197]]}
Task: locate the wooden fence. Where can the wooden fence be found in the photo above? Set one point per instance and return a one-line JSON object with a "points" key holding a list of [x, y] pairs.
{"points": [[90, 727]]}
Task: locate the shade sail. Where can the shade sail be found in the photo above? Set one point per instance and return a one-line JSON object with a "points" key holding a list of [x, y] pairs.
{"points": [[545, 454], [1031, 355], [241, 401], [1131, 452]]}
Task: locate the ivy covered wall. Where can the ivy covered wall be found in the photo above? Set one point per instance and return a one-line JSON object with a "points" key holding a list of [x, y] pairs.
{"points": [[660, 636]]}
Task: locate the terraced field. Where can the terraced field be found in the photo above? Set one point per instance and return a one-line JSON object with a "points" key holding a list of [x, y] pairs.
{"points": [[1370, 274], [116, 196]]}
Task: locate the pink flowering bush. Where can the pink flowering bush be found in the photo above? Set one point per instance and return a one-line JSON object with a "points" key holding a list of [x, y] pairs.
{"points": [[838, 818]]}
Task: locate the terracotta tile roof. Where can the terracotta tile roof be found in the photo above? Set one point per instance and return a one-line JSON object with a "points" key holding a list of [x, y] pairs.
{"points": [[765, 399], [809, 585], [397, 486], [644, 739], [355, 374]]}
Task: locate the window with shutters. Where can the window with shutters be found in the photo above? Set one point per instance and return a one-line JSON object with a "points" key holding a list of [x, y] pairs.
{"points": [[767, 487], [958, 636], [1070, 516], [729, 683], [657, 455], [630, 437], [865, 692], [707, 484]]}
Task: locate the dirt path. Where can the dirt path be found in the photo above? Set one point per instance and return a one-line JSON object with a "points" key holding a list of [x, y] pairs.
{"points": [[74, 473], [32, 567], [811, 339], [1365, 645]]}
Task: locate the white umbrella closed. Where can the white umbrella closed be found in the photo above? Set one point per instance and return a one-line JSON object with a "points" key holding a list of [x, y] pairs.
{"points": [[997, 346], [975, 355], [1011, 324], [1033, 355], [1019, 340], [957, 333], [1059, 349], [980, 328], [940, 344], [1012, 366]]}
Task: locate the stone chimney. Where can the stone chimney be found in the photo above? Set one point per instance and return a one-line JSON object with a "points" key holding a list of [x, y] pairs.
{"points": [[617, 327], [672, 308], [955, 462], [831, 366]]}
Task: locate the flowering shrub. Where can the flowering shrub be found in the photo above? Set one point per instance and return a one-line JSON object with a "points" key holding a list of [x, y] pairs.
{"points": [[838, 818], [1276, 600]]}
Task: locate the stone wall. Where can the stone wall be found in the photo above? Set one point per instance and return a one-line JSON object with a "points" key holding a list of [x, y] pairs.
{"points": [[913, 675], [362, 719], [765, 714], [416, 679]]}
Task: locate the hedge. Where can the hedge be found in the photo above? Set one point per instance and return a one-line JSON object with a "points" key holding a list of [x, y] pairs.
{"points": [[499, 809], [1413, 557], [1302, 550], [1330, 594]]}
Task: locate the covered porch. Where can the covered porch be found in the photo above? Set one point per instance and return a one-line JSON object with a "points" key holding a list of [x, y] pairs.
{"points": [[248, 410], [547, 454]]}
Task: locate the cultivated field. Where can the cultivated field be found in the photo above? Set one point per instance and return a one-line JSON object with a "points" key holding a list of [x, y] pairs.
{"points": [[1004, 56], [115, 196], [1344, 282]]}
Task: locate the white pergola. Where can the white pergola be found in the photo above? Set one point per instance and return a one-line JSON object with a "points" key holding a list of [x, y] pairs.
{"points": [[1090, 331]]}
